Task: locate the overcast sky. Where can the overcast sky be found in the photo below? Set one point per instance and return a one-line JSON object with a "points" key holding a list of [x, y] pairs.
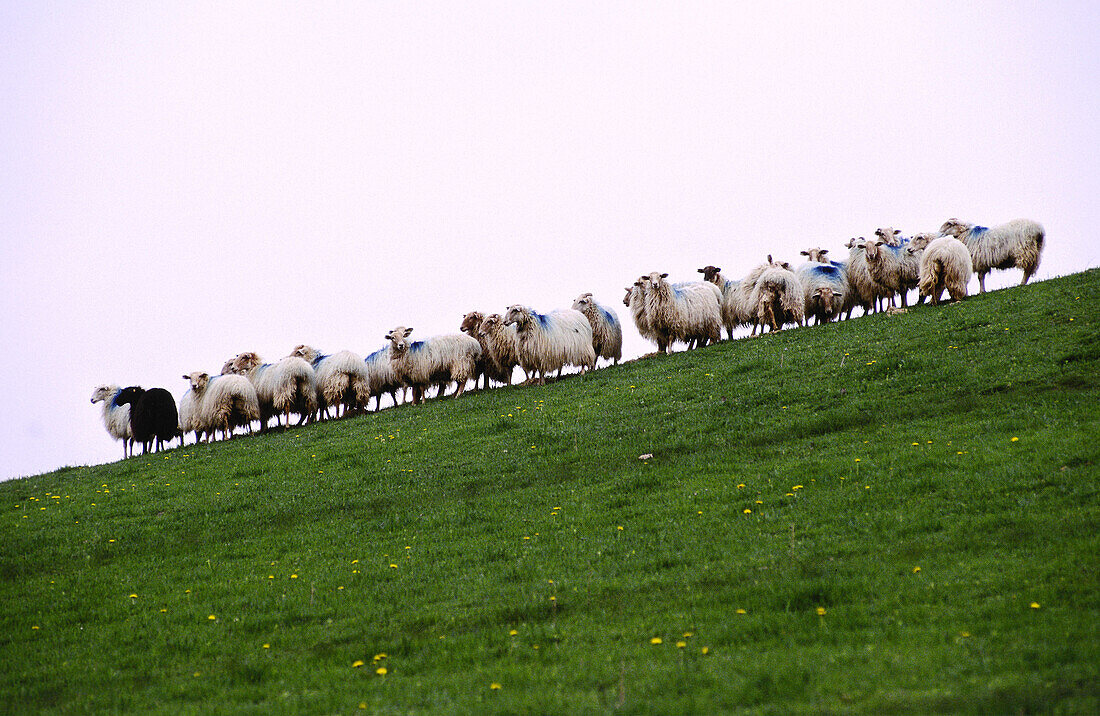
{"points": [[180, 182]]}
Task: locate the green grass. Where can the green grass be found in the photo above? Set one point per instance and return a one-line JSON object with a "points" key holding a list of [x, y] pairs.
{"points": [[869, 469]]}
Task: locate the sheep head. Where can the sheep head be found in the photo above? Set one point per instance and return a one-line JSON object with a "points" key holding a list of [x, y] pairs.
{"points": [[919, 243], [710, 273], [954, 227], [471, 322], [853, 242], [198, 380], [871, 248], [656, 279], [245, 362], [399, 340], [629, 293], [517, 314], [491, 323], [583, 301], [828, 299], [889, 236], [305, 353], [102, 392]]}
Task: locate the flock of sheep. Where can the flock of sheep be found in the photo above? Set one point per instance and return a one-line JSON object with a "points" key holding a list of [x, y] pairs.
{"points": [[489, 347]]}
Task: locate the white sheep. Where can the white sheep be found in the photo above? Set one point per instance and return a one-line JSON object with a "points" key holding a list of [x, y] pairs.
{"points": [[945, 263], [894, 266], [289, 386], [487, 365], [116, 418], [779, 299], [188, 410], [737, 307], [635, 301], [689, 312], [342, 379], [607, 332], [220, 402], [731, 317], [824, 287], [891, 236], [381, 377], [551, 341], [439, 360], [1017, 244], [865, 291], [502, 342]]}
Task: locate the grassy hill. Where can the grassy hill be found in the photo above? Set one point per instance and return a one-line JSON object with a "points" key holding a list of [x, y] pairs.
{"points": [[892, 514]]}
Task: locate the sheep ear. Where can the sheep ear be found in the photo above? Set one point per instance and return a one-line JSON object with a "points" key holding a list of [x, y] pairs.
{"points": [[824, 251], [701, 270], [186, 377], [408, 331], [804, 253], [664, 275], [816, 294], [897, 231], [769, 258]]}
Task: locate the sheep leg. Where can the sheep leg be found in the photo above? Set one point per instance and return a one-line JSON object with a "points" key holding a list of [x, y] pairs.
{"points": [[981, 281]]}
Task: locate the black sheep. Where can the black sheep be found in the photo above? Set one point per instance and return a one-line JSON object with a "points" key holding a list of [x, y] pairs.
{"points": [[153, 415]]}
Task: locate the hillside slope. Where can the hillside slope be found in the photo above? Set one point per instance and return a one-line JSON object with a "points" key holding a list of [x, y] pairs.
{"points": [[891, 514]]}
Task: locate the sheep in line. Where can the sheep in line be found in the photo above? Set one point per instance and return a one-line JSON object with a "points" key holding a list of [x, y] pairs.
{"points": [[865, 291], [731, 317], [824, 286], [382, 378], [154, 420], [607, 332], [116, 416], [220, 402], [635, 301], [944, 263], [501, 343], [779, 299], [686, 312], [486, 366], [1017, 244], [439, 360], [895, 268], [342, 380], [551, 341], [289, 386]]}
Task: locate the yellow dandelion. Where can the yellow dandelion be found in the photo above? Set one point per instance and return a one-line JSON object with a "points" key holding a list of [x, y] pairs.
{"points": [[357, 663], [705, 650], [1035, 605], [1015, 440], [494, 686], [294, 576], [857, 459], [212, 617], [741, 611], [267, 646], [689, 634], [380, 657], [916, 444], [821, 611], [916, 569], [133, 596], [656, 640], [513, 632], [747, 511], [681, 644], [381, 671]]}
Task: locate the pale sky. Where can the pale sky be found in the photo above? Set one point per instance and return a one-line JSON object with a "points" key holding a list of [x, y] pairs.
{"points": [[180, 182]]}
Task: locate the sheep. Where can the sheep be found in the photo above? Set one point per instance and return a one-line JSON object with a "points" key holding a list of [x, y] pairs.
{"points": [[116, 417], [607, 332], [729, 288], [289, 386], [895, 267], [945, 263], [688, 312], [635, 301], [778, 298], [1017, 244], [501, 343], [220, 402], [864, 291], [154, 420], [737, 309], [187, 410], [824, 287], [381, 377], [891, 236], [550, 341], [342, 379], [816, 255], [438, 360], [471, 326]]}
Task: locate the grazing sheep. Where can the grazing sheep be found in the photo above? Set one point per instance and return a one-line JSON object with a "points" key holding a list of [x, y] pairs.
{"points": [[289, 386], [220, 402], [687, 312], [779, 299], [153, 417], [551, 341], [607, 332], [895, 267], [439, 360], [502, 344], [945, 263], [824, 286], [342, 379], [1017, 244], [381, 377], [116, 417]]}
